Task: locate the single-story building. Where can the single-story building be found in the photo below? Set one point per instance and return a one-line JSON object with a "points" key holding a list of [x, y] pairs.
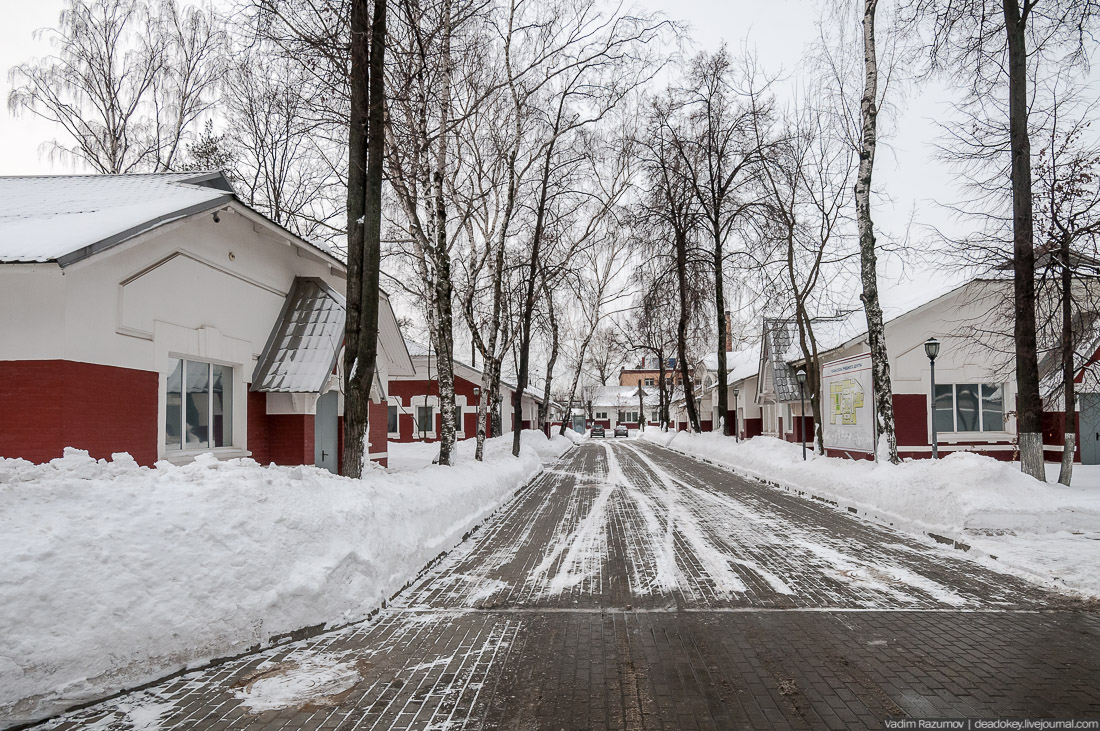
{"points": [[413, 402], [159, 315], [974, 407]]}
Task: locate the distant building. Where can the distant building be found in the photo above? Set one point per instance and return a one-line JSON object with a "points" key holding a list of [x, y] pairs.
{"points": [[413, 404], [648, 373]]}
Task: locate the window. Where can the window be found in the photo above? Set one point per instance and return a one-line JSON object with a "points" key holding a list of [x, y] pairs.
{"points": [[458, 418], [650, 382], [198, 410], [656, 415], [392, 427], [969, 407], [601, 414], [425, 419]]}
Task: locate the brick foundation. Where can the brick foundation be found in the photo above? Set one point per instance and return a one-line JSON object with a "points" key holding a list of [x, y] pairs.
{"points": [[47, 405]]}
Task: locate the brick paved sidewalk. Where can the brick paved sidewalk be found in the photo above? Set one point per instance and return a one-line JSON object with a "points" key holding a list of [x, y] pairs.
{"points": [[632, 588]]}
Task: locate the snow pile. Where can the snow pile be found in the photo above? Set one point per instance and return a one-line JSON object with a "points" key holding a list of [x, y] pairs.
{"points": [[573, 436], [974, 499], [405, 456], [961, 493], [112, 574]]}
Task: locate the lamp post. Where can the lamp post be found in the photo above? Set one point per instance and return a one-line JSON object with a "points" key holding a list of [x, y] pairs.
{"points": [[801, 376], [932, 349], [736, 429]]}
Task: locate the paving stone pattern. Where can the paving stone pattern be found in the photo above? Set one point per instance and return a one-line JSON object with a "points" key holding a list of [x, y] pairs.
{"points": [[630, 587]]}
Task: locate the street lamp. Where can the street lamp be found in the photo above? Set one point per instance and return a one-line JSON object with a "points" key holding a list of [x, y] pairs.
{"points": [[801, 376], [736, 430], [932, 349]]}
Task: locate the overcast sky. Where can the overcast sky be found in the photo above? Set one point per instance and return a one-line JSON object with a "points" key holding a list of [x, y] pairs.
{"points": [[779, 31]]}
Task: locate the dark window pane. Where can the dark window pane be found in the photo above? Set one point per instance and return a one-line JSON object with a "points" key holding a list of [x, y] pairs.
{"points": [[223, 406], [173, 418], [392, 420], [945, 409], [966, 406], [197, 401], [458, 418], [424, 420], [993, 407]]}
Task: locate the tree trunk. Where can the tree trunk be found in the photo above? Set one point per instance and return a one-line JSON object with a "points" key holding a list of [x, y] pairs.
{"points": [[1069, 408], [876, 332], [529, 300], [681, 332], [442, 288], [723, 320], [662, 382], [552, 315], [1029, 406], [364, 206]]}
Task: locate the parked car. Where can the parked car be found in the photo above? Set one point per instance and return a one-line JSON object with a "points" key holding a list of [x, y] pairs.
{"points": [[621, 430], [596, 431]]}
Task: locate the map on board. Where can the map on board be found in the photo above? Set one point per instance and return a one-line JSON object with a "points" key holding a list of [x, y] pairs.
{"points": [[845, 401]]}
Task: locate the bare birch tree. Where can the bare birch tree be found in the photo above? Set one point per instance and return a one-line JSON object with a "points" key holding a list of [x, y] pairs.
{"points": [[128, 82]]}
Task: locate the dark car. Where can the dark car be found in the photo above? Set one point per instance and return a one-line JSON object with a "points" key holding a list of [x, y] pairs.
{"points": [[596, 431], [621, 430]]}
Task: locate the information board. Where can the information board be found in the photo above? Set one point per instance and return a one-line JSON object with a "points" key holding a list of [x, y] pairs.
{"points": [[848, 407]]}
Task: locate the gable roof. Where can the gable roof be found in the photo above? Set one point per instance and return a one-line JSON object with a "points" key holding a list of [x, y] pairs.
{"points": [[66, 218]]}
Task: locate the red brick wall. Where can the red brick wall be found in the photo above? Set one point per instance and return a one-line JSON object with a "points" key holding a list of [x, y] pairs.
{"points": [[257, 426], [1053, 425], [47, 405], [911, 419], [285, 439], [377, 429], [405, 390], [752, 427]]}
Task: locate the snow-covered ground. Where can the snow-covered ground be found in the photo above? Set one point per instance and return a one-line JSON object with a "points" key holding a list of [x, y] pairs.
{"points": [[404, 456], [112, 574], [1045, 531]]}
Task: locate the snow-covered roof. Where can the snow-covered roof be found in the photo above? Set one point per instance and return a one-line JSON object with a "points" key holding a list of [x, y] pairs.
{"points": [[740, 364], [65, 218], [624, 396]]}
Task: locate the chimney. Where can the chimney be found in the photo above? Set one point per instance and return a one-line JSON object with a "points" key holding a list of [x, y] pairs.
{"points": [[729, 334]]}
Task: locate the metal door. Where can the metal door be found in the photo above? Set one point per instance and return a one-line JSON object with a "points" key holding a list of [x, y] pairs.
{"points": [[1090, 427], [325, 432], [578, 423]]}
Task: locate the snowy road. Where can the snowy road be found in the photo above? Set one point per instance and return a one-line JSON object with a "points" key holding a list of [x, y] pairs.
{"points": [[633, 588]]}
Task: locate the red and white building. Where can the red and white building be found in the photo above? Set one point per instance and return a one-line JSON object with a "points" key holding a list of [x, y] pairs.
{"points": [[161, 316], [974, 405], [413, 402]]}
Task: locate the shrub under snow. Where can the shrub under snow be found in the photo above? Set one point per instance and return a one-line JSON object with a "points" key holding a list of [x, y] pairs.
{"points": [[112, 574]]}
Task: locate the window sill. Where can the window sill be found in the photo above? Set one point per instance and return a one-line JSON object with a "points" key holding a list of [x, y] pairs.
{"points": [[973, 436], [183, 456]]}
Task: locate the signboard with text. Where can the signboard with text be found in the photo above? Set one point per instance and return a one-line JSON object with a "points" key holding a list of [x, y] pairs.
{"points": [[847, 406]]}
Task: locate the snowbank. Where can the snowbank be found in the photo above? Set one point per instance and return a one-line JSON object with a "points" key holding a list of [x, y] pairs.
{"points": [[404, 456], [112, 574], [973, 499]]}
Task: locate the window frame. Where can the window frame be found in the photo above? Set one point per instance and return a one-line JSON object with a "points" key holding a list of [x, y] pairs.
{"points": [[981, 386], [229, 391], [397, 419], [417, 420]]}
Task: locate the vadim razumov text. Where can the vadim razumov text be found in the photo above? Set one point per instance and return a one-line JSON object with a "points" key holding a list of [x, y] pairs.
{"points": [[967, 724]]}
